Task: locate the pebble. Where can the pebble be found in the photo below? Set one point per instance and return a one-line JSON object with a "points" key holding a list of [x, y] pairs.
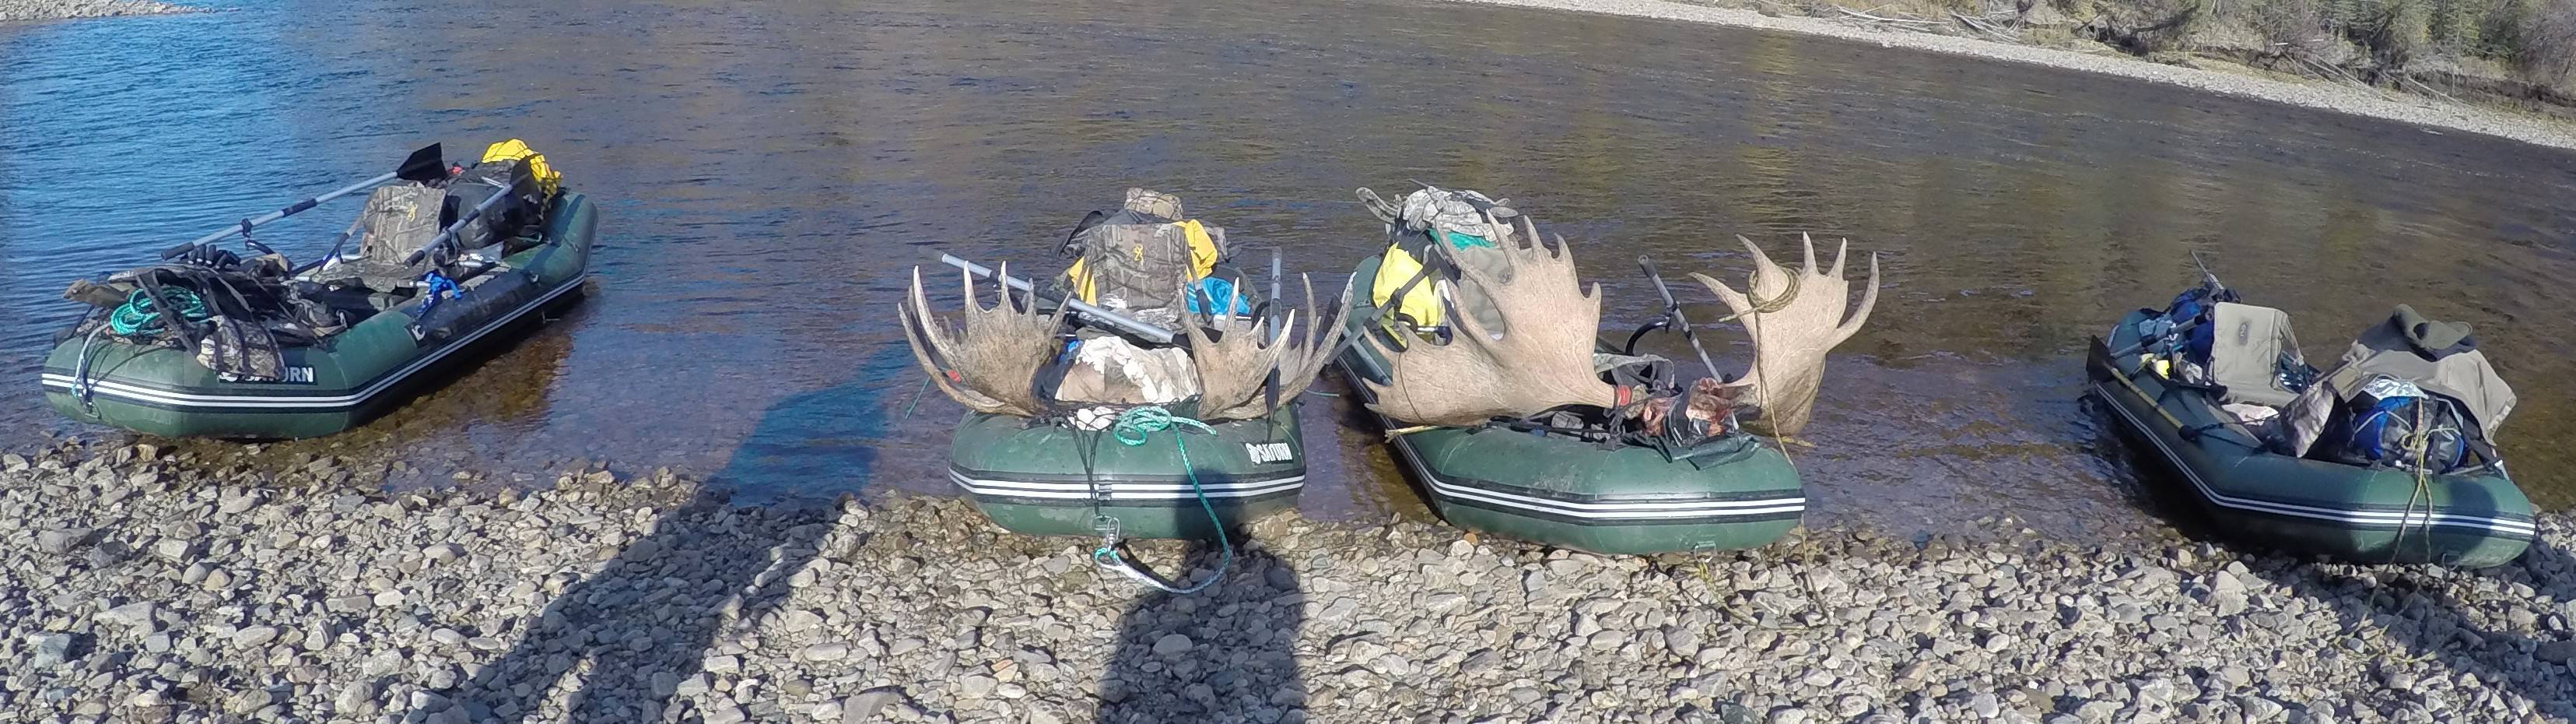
{"points": [[62, 540], [49, 650], [254, 636], [864, 706]]}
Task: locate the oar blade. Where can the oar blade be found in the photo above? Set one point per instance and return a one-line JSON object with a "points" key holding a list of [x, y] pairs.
{"points": [[426, 164]]}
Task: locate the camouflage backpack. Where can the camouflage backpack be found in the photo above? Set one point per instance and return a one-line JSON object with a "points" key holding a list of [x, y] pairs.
{"points": [[1141, 256]]}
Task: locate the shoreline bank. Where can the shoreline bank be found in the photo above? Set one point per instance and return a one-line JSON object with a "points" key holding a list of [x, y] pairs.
{"points": [[138, 590], [16, 11], [2406, 108]]}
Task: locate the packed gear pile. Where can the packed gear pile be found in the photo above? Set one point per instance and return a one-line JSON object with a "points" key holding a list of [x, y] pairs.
{"points": [[2408, 393]]}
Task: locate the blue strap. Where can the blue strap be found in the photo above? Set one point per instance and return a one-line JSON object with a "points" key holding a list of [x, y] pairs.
{"points": [[1132, 429]]}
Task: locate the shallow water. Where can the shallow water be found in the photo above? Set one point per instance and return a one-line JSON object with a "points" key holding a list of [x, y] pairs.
{"points": [[769, 170]]}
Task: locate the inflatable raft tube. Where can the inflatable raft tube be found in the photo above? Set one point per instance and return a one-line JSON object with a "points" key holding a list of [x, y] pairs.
{"points": [[1051, 480], [1567, 493], [350, 378]]}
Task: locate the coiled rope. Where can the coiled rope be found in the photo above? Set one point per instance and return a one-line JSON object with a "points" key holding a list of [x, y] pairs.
{"points": [[1766, 306], [139, 314], [1132, 429]]}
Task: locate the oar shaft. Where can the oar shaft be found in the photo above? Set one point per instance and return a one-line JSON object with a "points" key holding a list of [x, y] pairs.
{"points": [[290, 210], [448, 236], [1674, 308], [1148, 331]]}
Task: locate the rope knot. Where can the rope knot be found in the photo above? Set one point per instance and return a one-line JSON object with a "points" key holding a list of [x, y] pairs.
{"points": [[1136, 424]]}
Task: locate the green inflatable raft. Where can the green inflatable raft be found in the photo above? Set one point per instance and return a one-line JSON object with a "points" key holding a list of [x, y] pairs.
{"points": [[2472, 517], [1108, 471], [1560, 491], [405, 342], [1041, 478]]}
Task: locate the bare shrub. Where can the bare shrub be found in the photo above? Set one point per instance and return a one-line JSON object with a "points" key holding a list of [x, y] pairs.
{"points": [[2149, 26], [2545, 47], [2289, 27]]}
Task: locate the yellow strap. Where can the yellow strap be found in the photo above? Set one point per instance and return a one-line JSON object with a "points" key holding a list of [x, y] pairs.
{"points": [[1079, 276], [1421, 304]]}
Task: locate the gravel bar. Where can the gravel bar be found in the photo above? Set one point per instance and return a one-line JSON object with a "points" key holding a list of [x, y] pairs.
{"points": [[23, 10], [135, 588]]}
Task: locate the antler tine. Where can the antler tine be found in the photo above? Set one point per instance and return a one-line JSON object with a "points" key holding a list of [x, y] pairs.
{"points": [[934, 332], [1764, 269], [1868, 301], [966, 282], [1734, 300], [1321, 338], [1840, 253], [1318, 319], [1810, 241]]}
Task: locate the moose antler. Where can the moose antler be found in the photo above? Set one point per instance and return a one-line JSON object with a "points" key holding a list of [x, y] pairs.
{"points": [[994, 360], [1542, 359], [1233, 367], [1793, 320]]}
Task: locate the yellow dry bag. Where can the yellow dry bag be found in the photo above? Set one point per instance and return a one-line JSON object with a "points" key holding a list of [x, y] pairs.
{"points": [[548, 179]]}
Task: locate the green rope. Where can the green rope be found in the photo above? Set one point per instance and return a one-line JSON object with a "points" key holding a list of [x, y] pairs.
{"points": [[138, 314], [1132, 429]]}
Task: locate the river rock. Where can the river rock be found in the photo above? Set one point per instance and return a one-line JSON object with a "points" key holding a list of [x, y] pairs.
{"points": [[61, 540], [50, 650], [254, 636], [864, 706], [241, 502], [136, 615], [2557, 652]]}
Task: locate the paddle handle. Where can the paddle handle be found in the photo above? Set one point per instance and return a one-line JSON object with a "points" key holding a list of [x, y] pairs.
{"points": [[425, 164]]}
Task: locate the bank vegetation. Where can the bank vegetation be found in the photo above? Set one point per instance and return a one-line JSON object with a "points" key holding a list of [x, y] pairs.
{"points": [[2516, 53]]}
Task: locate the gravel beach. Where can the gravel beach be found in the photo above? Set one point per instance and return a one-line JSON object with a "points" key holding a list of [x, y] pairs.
{"points": [[135, 589], [2419, 110], [21, 10]]}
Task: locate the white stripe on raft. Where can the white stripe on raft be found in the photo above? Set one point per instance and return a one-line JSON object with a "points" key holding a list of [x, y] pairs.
{"points": [[1122, 490], [111, 388], [1712, 510], [2343, 515]]}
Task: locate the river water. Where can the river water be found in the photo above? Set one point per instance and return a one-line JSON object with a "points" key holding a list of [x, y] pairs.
{"points": [[769, 171]]}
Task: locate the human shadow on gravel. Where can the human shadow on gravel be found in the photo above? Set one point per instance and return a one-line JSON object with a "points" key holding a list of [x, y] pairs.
{"points": [[648, 621], [1224, 654]]}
